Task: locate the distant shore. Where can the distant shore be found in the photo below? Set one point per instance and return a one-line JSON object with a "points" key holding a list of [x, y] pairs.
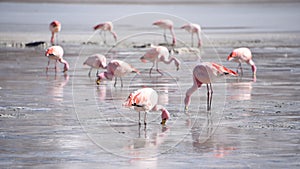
{"points": [[145, 2]]}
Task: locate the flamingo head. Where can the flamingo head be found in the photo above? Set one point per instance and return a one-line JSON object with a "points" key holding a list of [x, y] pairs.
{"points": [[100, 77], [49, 52], [231, 56], [143, 59], [129, 101], [165, 115]]}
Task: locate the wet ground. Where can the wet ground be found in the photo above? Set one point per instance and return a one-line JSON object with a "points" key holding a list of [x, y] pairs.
{"points": [[59, 120]]}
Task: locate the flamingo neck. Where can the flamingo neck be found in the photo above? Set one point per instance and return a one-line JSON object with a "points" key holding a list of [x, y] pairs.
{"points": [[66, 64], [189, 92], [173, 36], [253, 67], [114, 35], [199, 39], [52, 38]]}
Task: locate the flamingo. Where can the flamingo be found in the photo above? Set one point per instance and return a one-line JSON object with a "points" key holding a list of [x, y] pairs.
{"points": [[56, 53], [146, 99], [95, 61], [54, 27], [116, 68], [205, 73], [242, 55], [166, 24], [159, 54], [106, 26], [193, 29]]}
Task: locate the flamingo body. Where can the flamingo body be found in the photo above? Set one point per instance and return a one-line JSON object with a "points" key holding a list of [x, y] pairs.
{"points": [[116, 68], [241, 55], [166, 24], [56, 53], [206, 73], [106, 26], [193, 29], [146, 99], [95, 61], [159, 54], [54, 27]]}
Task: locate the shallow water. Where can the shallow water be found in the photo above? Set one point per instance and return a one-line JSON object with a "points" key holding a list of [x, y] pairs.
{"points": [[66, 121]]}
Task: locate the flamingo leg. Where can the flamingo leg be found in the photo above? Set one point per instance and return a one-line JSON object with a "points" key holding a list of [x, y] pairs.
{"points": [[209, 96], [90, 72], [47, 66], [121, 81], [139, 118], [115, 82], [165, 36], [145, 118], [151, 69], [55, 67], [240, 68], [192, 40], [104, 37], [158, 69]]}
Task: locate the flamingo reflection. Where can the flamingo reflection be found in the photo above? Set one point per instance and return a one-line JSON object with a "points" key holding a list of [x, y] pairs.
{"points": [[57, 88]]}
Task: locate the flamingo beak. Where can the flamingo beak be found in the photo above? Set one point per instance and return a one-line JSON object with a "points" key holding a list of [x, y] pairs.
{"points": [[98, 81], [163, 121]]}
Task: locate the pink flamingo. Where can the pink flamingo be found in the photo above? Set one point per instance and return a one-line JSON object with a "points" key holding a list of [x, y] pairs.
{"points": [[166, 24], [54, 27], [56, 53], [95, 61], [116, 68], [205, 73], [106, 26], [146, 99], [193, 29], [243, 55], [159, 54]]}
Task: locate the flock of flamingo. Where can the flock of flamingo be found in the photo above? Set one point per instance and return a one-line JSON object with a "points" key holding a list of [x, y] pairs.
{"points": [[146, 99]]}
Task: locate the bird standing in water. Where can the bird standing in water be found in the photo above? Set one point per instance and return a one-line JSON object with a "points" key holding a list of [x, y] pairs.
{"points": [[167, 24], [95, 61], [106, 26], [54, 27], [56, 53], [193, 29], [240, 55], [115, 69], [159, 54], [146, 99], [205, 73]]}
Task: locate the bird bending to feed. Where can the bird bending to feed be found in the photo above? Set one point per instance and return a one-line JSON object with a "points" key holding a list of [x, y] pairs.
{"points": [[54, 27], [106, 26], [116, 68], [159, 54], [242, 55], [205, 73], [95, 61], [193, 29], [166, 24], [146, 99], [56, 53]]}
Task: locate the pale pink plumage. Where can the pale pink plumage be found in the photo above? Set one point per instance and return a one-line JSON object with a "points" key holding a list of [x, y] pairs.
{"points": [[167, 24], [159, 54], [116, 68], [56, 53], [243, 55], [146, 99], [54, 27], [106, 26], [193, 29], [95, 61], [205, 73]]}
